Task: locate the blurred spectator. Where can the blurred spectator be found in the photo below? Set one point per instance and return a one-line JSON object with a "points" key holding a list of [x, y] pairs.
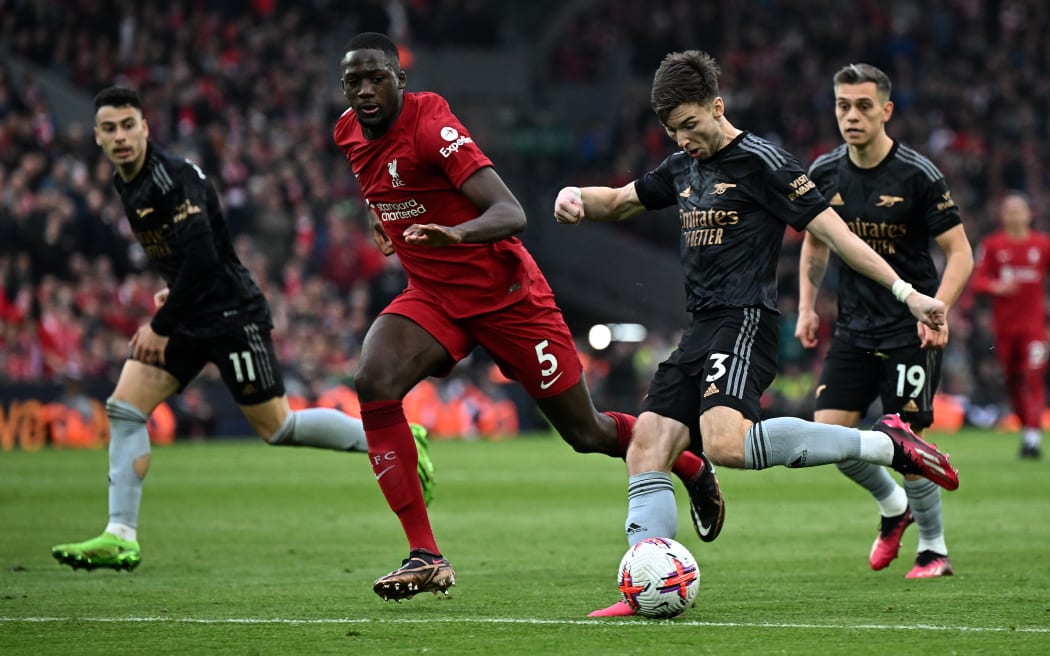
{"points": [[247, 90]]}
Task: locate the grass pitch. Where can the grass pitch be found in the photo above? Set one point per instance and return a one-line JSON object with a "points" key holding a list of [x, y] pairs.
{"points": [[249, 549]]}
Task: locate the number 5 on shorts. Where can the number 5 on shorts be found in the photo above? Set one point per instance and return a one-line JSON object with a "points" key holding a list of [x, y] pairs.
{"points": [[548, 365]]}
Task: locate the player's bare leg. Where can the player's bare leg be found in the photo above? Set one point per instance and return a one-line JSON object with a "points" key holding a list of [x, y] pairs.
{"points": [[578, 422], [585, 429]]}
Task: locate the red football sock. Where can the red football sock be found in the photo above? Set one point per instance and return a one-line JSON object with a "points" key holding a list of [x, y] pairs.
{"points": [[1033, 395], [686, 467], [624, 427], [392, 452]]}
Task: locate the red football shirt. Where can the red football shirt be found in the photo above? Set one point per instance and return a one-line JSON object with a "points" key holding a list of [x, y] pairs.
{"points": [[1025, 262], [412, 174]]}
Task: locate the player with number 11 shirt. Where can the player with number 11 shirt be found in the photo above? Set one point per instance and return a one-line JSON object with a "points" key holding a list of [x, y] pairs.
{"points": [[210, 312], [436, 201]]}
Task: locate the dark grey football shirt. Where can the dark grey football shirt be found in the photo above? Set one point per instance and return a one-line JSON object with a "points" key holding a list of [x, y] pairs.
{"points": [[175, 214], [896, 207], [734, 208]]}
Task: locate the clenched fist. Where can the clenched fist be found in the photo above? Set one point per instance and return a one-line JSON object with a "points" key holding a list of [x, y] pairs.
{"points": [[568, 206]]}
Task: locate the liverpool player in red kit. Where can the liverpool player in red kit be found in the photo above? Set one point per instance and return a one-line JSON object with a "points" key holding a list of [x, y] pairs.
{"points": [[438, 203], [1012, 267]]}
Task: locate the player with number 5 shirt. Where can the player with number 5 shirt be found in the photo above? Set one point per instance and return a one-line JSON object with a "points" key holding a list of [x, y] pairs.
{"points": [[436, 201]]}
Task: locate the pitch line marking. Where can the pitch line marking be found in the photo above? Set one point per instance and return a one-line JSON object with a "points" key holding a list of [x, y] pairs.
{"points": [[511, 620]]}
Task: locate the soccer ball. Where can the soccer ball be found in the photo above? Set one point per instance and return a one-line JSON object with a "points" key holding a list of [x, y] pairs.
{"points": [[659, 578]]}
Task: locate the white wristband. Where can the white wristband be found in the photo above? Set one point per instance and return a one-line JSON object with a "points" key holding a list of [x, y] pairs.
{"points": [[902, 290]]}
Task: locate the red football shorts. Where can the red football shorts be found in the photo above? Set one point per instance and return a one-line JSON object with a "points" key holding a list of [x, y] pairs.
{"points": [[528, 340]]}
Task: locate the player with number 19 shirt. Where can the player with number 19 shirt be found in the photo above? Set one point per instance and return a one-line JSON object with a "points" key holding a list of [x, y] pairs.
{"points": [[898, 202], [897, 207]]}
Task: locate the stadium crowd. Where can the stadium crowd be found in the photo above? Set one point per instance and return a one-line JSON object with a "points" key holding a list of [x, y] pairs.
{"points": [[247, 90]]}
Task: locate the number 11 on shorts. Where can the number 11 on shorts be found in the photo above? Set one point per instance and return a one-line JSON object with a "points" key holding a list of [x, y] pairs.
{"points": [[249, 368]]}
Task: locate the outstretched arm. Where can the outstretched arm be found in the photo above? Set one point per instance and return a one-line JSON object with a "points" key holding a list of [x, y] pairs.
{"points": [[574, 204], [832, 230]]}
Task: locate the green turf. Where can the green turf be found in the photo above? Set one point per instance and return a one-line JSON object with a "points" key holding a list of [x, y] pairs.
{"points": [[249, 549]]}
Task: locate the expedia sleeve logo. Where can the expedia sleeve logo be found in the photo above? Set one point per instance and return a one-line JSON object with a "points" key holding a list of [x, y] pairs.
{"points": [[455, 138]]}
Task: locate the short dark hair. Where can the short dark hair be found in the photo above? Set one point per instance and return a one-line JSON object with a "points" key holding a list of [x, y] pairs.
{"points": [[118, 97], [861, 73], [375, 41], [684, 77]]}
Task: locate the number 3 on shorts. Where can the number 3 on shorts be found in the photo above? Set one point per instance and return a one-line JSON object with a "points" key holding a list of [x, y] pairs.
{"points": [[716, 365]]}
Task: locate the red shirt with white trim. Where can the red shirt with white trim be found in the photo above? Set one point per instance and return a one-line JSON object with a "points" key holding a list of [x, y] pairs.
{"points": [[412, 175]]}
